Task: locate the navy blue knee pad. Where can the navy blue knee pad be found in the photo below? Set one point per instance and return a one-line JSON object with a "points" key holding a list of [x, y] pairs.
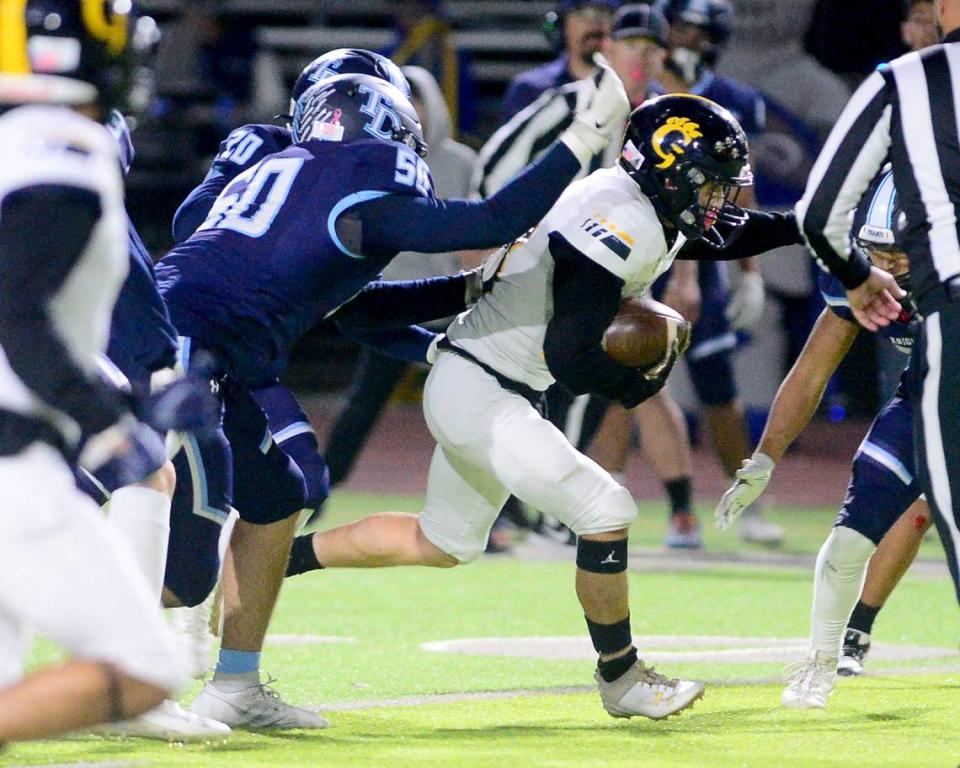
{"points": [[602, 556]]}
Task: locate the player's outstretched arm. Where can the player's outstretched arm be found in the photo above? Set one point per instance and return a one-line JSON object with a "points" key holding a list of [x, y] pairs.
{"points": [[399, 303], [793, 407], [411, 343], [396, 223], [763, 231]]}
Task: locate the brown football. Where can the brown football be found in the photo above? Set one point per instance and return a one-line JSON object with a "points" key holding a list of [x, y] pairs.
{"points": [[641, 332]]}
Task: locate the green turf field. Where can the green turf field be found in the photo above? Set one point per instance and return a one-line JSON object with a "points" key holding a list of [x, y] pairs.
{"points": [[350, 644]]}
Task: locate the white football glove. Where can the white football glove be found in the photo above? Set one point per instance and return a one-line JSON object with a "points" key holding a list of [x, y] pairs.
{"points": [[750, 481], [746, 306], [595, 125]]}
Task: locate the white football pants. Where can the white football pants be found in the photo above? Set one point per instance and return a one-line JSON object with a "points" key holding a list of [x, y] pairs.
{"points": [[64, 574], [492, 443]]}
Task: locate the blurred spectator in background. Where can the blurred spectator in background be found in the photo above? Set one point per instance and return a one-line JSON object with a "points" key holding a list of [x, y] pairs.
{"points": [[920, 27], [851, 39], [423, 38], [699, 31], [451, 165], [766, 51], [204, 71], [576, 30]]}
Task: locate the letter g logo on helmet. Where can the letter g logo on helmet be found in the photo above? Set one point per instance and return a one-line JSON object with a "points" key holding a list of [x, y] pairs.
{"points": [[672, 138]]}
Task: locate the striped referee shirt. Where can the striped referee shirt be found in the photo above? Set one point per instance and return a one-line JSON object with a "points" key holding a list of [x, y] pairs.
{"points": [[530, 132], [905, 111]]}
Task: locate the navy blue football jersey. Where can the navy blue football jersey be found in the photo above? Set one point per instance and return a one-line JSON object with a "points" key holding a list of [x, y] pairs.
{"points": [[242, 149], [899, 332], [142, 338], [268, 259]]}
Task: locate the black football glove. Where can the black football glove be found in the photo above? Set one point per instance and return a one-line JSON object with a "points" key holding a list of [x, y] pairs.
{"points": [[645, 385]]}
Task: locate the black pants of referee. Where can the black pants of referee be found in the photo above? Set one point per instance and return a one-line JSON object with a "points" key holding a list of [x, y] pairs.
{"points": [[936, 377]]}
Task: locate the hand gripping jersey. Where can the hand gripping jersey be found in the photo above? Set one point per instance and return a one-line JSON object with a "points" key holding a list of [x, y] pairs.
{"points": [[268, 259], [607, 219], [44, 148]]}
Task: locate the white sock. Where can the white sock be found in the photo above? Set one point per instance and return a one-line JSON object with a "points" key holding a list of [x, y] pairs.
{"points": [[142, 517], [837, 581]]}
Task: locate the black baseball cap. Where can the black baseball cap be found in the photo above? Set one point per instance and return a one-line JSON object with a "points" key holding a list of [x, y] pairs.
{"points": [[641, 21]]}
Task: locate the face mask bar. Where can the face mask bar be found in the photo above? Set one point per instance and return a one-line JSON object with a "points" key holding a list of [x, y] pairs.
{"points": [[717, 226]]}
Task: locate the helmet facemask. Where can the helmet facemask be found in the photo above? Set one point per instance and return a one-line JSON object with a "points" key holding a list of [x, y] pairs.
{"points": [[708, 209]]}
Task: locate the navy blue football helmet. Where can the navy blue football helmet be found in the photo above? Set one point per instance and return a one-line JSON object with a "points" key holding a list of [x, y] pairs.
{"points": [[674, 146], [880, 221], [67, 52], [715, 17], [349, 61], [348, 108]]}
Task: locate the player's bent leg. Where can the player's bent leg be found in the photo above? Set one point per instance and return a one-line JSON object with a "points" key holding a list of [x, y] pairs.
{"points": [[897, 550], [564, 483], [90, 598], [882, 504], [253, 569], [72, 696], [838, 577], [627, 686], [379, 541]]}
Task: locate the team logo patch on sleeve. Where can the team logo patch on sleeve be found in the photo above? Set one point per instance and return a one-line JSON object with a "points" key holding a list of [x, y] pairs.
{"points": [[610, 235]]}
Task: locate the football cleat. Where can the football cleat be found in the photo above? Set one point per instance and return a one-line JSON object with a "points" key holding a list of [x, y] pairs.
{"points": [[642, 691], [810, 682], [684, 532], [254, 706], [856, 646], [169, 722]]}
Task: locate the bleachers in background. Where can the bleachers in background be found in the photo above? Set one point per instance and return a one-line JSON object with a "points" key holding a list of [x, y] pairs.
{"points": [[501, 37]]}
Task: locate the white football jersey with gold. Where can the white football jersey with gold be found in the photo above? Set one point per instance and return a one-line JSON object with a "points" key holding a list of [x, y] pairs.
{"points": [[608, 219]]}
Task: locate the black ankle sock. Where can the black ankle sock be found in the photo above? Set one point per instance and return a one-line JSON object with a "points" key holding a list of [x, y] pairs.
{"points": [[302, 557], [679, 492], [611, 670], [862, 618]]}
